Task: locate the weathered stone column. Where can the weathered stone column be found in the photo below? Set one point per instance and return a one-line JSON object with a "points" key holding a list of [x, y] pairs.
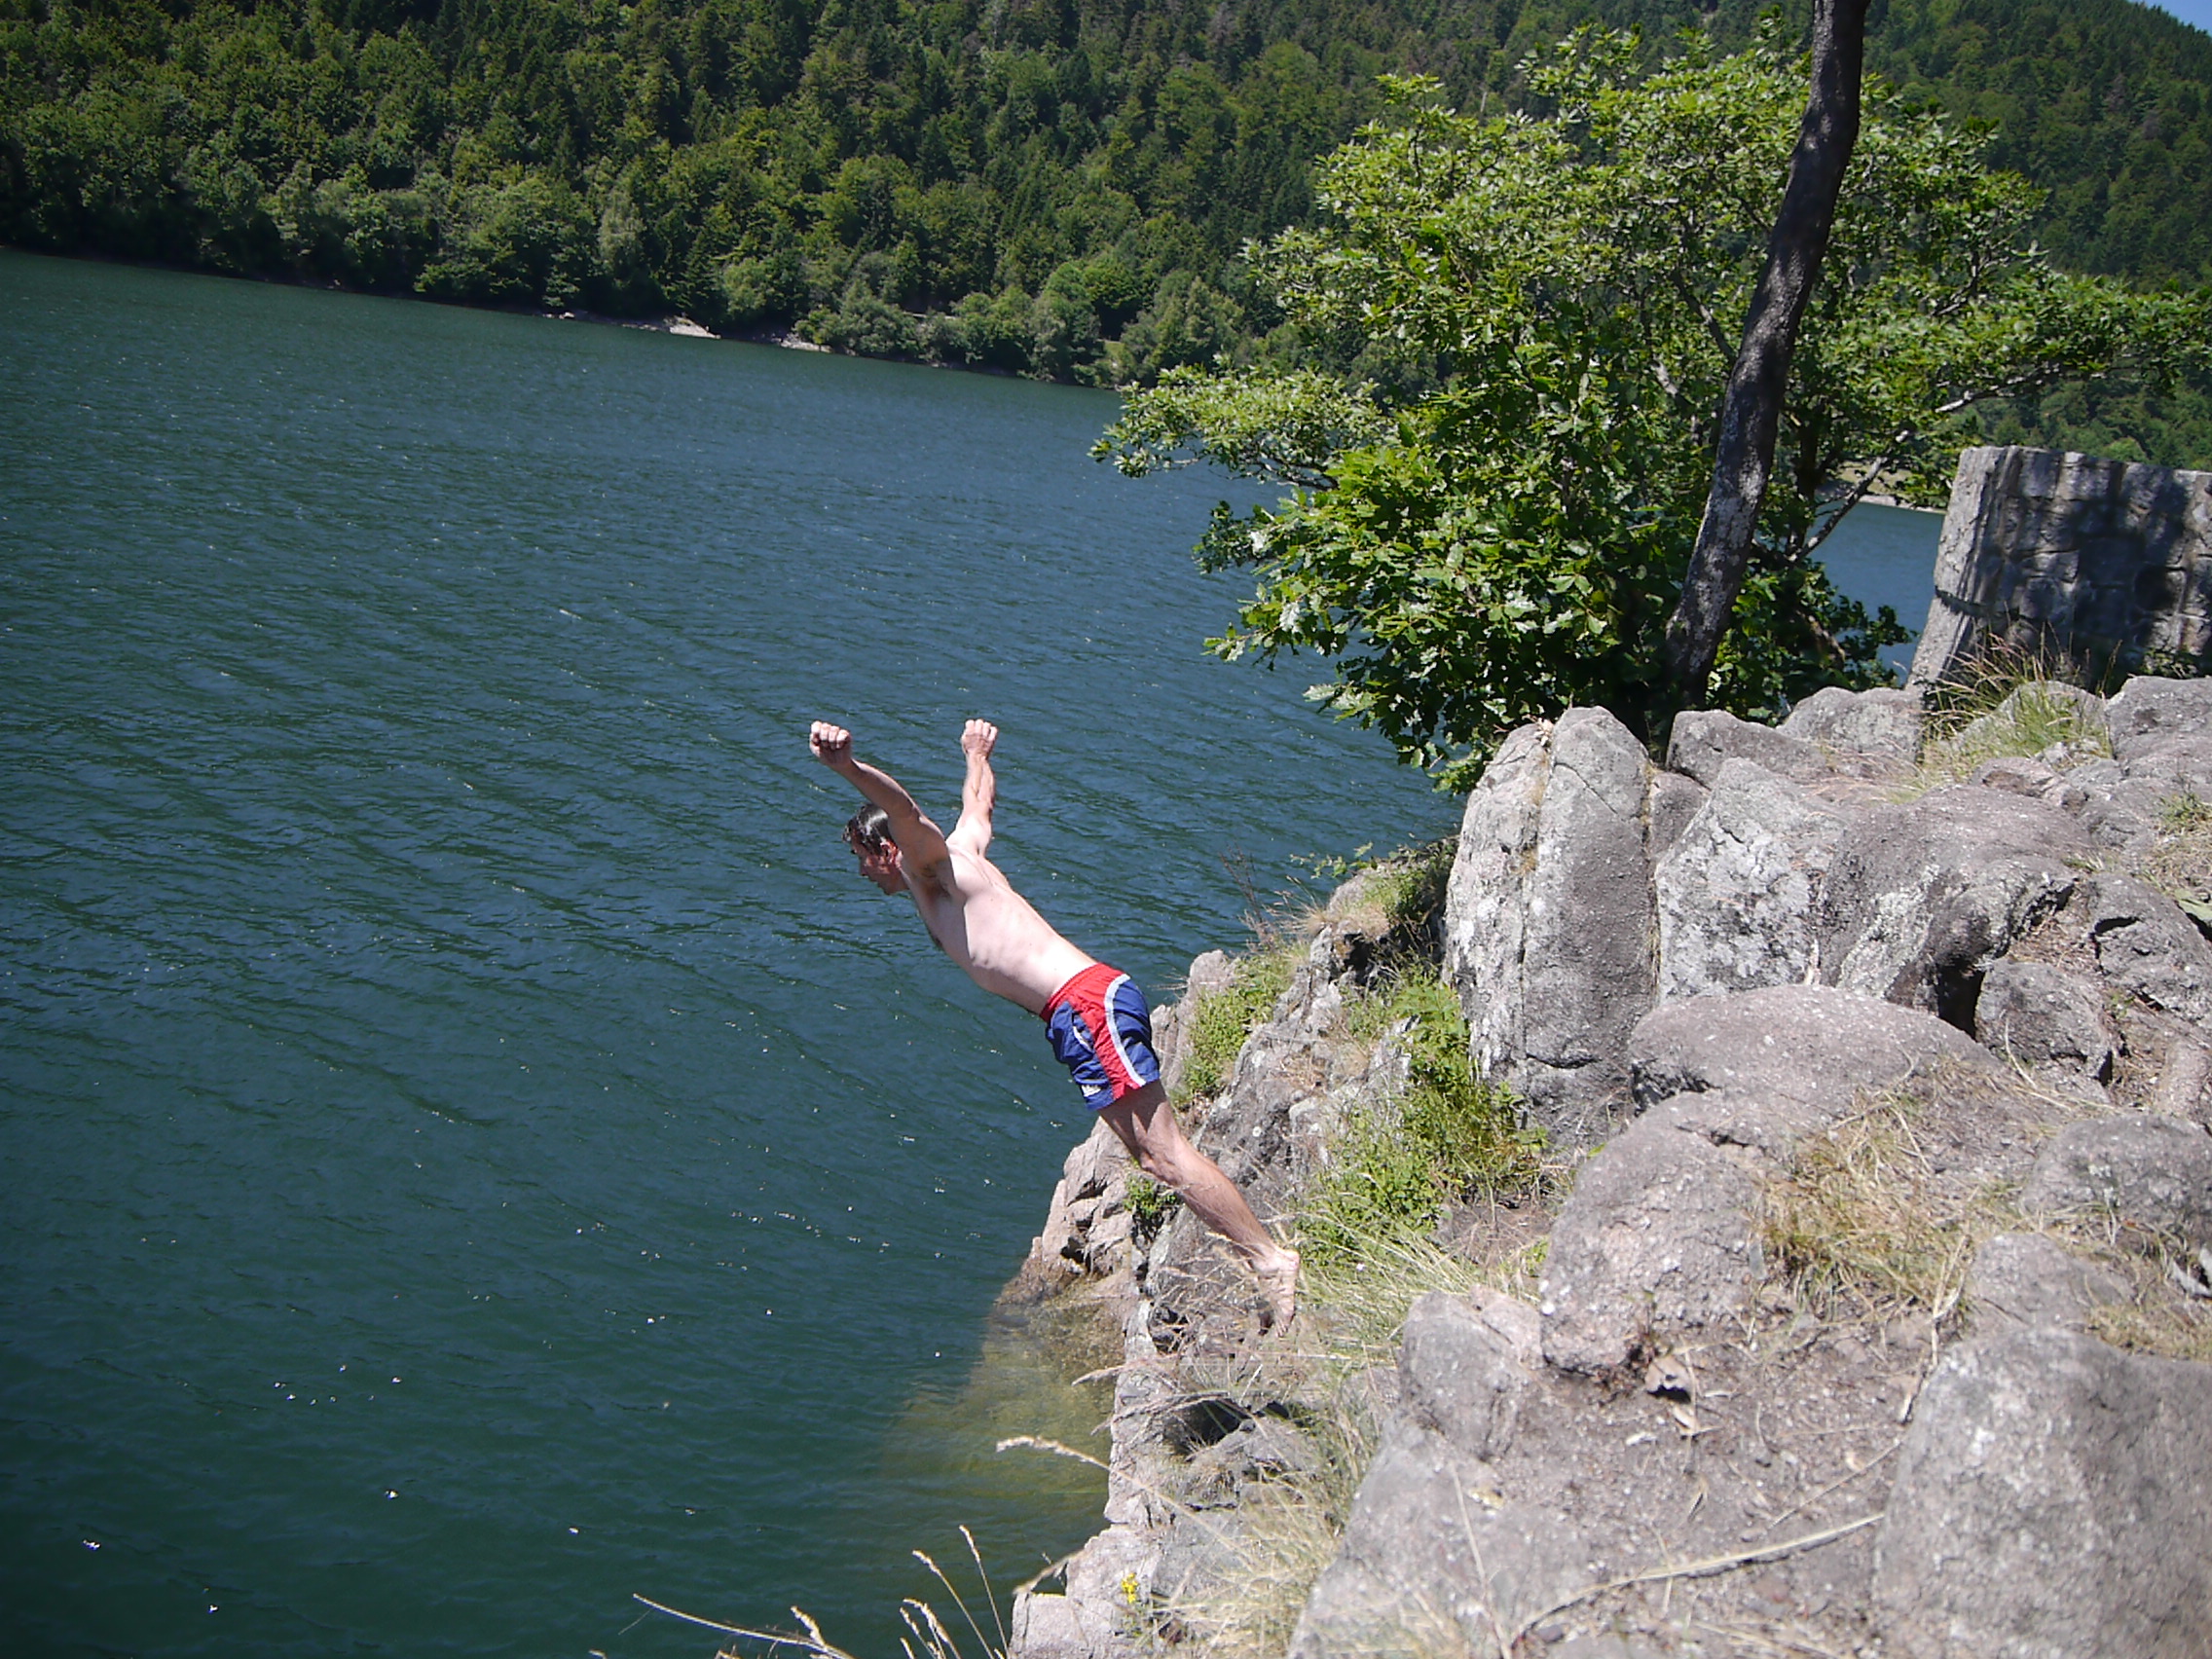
{"points": [[2094, 559], [1548, 932]]}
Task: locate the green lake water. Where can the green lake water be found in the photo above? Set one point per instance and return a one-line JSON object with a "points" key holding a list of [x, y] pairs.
{"points": [[473, 1149]]}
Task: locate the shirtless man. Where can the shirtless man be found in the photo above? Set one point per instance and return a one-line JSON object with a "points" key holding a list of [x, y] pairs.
{"points": [[1094, 1017]]}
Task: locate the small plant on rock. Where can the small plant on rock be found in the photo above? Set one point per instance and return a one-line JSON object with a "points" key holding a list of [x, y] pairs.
{"points": [[1223, 1019], [1447, 1134], [1411, 886], [1150, 1202]]}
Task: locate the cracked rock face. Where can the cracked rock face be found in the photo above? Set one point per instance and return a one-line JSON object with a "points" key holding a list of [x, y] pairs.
{"points": [[2053, 1500], [2043, 548], [1738, 892], [1921, 899]]}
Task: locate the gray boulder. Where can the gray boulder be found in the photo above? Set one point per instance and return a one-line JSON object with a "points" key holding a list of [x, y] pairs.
{"points": [[1861, 731], [1091, 1621], [1211, 971], [1922, 899], [2142, 1170], [2162, 739], [1658, 1239], [1459, 1376], [2120, 807], [2024, 1279], [1702, 741], [1434, 1560], [1547, 929], [2042, 1015], [1799, 1053], [1738, 892], [2150, 713], [1048, 1627], [2157, 781], [2144, 943], [2054, 1500]]}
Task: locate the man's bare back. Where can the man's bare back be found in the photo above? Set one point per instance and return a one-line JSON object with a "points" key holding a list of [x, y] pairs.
{"points": [[1000, 941]]}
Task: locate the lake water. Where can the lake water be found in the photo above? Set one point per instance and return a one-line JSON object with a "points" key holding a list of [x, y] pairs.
{"points": [[474, 1150]]}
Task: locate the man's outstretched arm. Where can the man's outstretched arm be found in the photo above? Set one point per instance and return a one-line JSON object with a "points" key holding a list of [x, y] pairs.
{"points": [[921, 843], [981, 793]]}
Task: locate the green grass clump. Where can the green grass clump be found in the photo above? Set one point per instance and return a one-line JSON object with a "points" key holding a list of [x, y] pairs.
{"points": [[2005, 704], [1223, 1019], [1446, 1135], [1410, 884], [1150, 1204]]}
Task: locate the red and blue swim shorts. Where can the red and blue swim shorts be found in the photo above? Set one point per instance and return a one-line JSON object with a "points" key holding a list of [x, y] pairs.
{"points": [[1101, 1030]]}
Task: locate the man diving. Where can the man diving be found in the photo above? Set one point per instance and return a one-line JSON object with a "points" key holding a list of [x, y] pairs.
{"points": [[1094, 1017]]}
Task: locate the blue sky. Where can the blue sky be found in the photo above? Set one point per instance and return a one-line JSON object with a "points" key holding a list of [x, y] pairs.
{"points": [[2197, 11]]}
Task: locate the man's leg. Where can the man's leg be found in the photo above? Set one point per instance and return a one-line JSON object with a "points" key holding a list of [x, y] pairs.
{"points": [[1147, 1127]]}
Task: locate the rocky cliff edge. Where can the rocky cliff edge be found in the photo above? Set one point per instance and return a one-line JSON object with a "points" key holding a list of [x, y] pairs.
{"points": [[1855, 1299]]}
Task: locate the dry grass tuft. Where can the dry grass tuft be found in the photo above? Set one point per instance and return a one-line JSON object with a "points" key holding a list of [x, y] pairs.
{"points": [[1859, 1216], [1861, 1224], [2169, 1307], [1254, 1579], [2180, 860], [927, 1637], [1359, 1302]]}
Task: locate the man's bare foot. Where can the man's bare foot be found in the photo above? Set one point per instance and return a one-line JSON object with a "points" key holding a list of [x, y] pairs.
{"points": [[1278, 1284]]}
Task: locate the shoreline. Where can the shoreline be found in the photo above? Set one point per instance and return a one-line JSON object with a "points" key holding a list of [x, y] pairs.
{"points": [[676, 323]]}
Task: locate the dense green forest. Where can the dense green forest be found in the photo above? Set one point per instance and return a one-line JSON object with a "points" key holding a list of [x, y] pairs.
{"points": [[1051, 187]]}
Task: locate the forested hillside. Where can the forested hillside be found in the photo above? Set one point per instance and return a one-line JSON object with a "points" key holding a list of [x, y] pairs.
{"points": [[1051, 188]]}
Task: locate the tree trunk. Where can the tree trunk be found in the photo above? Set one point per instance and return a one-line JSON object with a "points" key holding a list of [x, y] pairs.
{"points": [[1752, 413]]}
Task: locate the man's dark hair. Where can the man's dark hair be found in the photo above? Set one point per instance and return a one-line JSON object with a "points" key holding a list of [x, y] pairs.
{"points": [[870, 826]]}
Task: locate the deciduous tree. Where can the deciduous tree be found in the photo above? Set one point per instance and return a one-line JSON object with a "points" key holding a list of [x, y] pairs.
{"points": [[1516, 333]]}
